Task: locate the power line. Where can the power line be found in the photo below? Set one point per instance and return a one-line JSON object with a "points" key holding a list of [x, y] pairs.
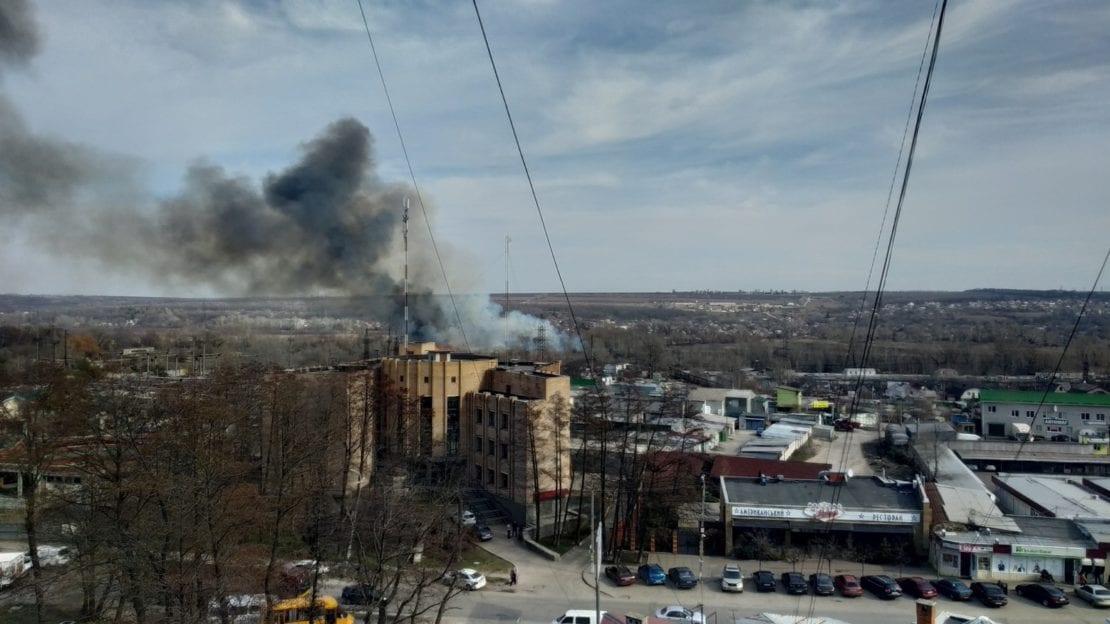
{"points": [[880, 288], [532, 188], [412, 175]]}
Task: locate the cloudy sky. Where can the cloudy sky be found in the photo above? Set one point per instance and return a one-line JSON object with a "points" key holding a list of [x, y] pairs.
{"points": [[702, 145]]}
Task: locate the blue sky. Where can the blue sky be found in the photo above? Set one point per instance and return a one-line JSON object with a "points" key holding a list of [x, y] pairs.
{"points": [[708, 145]]}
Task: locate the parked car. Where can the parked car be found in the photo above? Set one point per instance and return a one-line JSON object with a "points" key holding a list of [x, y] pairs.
{"points": [[845, 424], [620, 575], [848, 585], [1047, 595], [764, 581], [651, 574], [917, 587], [1060, 437], [732, 579], [466, 578], [485, 533], [360, 595], [466, 518], [989, 594], [679, 613], [682, 578], [1097, 595], [578, 616], [881, 585], [953, 588], [794, 583], [821, 584]]}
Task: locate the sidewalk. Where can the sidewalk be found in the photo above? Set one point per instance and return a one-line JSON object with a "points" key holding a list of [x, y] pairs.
{"points": [[537, 574]]}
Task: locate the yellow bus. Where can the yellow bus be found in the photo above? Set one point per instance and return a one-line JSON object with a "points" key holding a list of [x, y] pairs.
{"points": [[298, 610]]}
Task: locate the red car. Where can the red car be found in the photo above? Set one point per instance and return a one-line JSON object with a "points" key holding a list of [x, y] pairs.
{"points": [[848, 585], [620, 575], [845, 425], [917, 587]]}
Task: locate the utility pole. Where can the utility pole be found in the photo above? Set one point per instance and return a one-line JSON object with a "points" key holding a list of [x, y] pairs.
{"points": [[405, 235], [701, 549], [597, 561]]}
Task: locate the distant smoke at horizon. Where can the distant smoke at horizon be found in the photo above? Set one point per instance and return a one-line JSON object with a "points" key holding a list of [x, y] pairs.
{"points": [[325, 225]]}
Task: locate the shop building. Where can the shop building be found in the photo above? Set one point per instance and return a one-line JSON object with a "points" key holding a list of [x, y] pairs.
{"points": [[835, 505], [1053, 545]]}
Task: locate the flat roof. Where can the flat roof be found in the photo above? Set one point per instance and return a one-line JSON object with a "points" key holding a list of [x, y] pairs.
{"points": [[857, 493], [975, 507], [1052, 398], [1060, 496]]}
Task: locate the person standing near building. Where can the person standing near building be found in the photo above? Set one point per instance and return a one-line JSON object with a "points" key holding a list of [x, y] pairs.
{"points": [[512, 577]]}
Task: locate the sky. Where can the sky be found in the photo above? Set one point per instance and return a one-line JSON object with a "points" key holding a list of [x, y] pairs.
{"points": [[674, 146]]}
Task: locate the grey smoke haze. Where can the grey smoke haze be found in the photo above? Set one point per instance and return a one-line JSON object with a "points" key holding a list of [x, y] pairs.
{"points": [[324, 225]]}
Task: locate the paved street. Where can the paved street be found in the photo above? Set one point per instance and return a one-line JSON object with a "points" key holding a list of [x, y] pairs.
{"points": [[546, 589]]}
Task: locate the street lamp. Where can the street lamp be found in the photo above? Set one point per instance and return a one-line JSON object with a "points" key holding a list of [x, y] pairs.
{"points": [[701, 549], [354, 512]]}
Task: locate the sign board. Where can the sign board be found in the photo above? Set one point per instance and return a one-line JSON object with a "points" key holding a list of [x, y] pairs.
{"points": [[976, 548], [1047, 551], [1055, 421], [826, 512]]}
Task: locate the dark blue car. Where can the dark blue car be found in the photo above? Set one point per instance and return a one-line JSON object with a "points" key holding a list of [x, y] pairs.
{"points": [[953, 588], [682, 577], [651, 574]]}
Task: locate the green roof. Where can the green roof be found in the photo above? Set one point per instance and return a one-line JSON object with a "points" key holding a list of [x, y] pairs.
{"points": [[582, 383], [1053, 398]]}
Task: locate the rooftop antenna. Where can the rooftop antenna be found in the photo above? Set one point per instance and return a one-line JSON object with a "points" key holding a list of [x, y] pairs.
{"points": [[507, 241], [405, 235]]}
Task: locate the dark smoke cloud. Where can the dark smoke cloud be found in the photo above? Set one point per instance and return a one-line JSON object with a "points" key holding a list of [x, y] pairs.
{"points": [[325, 225], [19, 38]]}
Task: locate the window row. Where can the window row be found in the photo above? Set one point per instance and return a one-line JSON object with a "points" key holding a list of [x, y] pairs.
{"points": [[491, 476], [491, 418], [490, 446]]}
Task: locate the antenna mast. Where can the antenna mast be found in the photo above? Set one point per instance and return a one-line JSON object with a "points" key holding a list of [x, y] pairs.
{"points": [[405, 235], [507, 241]]}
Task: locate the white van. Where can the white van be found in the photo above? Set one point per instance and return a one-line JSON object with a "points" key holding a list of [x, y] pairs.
{"points": [[13, 565], [578, 616]]}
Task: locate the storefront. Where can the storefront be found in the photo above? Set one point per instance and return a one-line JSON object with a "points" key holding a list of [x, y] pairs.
{"points": [[1006, 557], [796, 512]]}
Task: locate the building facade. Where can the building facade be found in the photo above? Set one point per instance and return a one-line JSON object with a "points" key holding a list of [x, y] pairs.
{"points": [[1078, 416]]}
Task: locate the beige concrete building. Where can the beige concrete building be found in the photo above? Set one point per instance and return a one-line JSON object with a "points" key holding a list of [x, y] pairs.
{"points": [[508, 424]]}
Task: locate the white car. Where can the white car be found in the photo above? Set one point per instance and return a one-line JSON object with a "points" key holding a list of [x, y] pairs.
{"points": [[732, 579], [467, 518], [1097, 595], [466, 578], [679, 613]]}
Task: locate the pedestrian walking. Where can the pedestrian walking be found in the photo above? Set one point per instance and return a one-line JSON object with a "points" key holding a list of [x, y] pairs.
{"points": [[512, 577]]}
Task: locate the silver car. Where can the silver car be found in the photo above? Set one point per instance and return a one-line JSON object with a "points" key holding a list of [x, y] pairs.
{"points": [[1097, 595], [732, 579]]}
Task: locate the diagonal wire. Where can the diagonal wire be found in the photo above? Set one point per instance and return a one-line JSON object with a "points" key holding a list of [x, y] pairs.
{"points": [[412, 175], [535, 198]]}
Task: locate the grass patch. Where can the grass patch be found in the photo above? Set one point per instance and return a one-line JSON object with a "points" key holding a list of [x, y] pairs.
{"points": [[474, 556]]}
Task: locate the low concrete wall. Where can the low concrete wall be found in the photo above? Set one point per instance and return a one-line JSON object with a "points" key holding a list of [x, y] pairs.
{"points": [[539, 548]]}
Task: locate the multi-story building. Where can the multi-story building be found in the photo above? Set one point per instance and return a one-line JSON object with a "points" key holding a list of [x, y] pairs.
{"points": [[508, 424], [1078, 416]]}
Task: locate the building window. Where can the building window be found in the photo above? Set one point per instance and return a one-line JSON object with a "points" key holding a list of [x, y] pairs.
{"points": [[504, 480], [478, 472], [1029, 413], [490, 418], [992, 408], [984, 564], [504, 451], [425, 380], [1013, 412], [489, 476], [452, 379], [1100, 416], [477, 444], [478, 416], [1085, 415], [489, 448], [951, 560], [402, 379], [504, 421]]}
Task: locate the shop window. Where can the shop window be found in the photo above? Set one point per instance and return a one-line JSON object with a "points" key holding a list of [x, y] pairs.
{"points": [[950, 560], [983, 564]]}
